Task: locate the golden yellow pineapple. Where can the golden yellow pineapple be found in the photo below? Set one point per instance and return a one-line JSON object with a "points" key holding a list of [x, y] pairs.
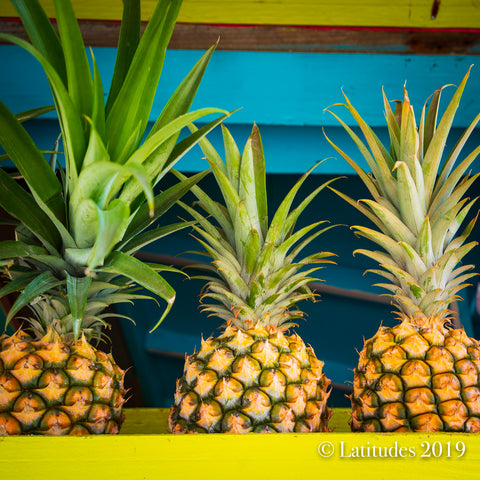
{"points": [[422, 374], [256, 376], [56, 387]]}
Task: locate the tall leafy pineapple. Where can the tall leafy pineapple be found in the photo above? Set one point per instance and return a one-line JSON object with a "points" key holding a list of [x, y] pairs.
{"points": [[420, 375], [78, 227], [256, 376]]}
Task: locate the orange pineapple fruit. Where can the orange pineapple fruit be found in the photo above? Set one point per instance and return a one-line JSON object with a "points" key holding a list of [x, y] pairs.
{"points": [[57, 387]]}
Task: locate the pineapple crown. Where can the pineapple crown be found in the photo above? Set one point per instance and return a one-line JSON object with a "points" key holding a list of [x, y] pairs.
{"points": [[258, 278], [418, 203], [89, 218]]}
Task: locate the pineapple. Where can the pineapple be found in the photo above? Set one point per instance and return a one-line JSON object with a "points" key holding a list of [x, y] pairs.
{"points": [[256, 376], [79, 224], [422, 374]]}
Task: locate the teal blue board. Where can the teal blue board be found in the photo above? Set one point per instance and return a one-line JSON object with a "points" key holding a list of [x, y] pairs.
{"points": [[286, 94], [274, 88]]}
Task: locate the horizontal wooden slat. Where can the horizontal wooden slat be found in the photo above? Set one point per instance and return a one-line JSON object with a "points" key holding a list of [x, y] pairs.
{"points": [[281, 38], [401, 13]]}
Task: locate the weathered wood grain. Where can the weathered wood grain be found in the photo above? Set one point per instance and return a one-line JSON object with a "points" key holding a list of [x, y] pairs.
{"points": [[280, 38]]}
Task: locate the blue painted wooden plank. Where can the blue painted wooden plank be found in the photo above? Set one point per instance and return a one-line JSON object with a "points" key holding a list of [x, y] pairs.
{"points": [[288, 149], [274, 88]]}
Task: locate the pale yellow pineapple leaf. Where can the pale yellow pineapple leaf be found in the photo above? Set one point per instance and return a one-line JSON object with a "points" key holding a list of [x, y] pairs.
{"points": [[279, 228], [211, 154], [292, 217], [217, 211], [445, 175], [296, 282], [382, 158], [393, 128], [434, 297], [433, 154], [408, 282], [217, 249], [441, 226], [380, 257], [237, 305], [456, 241], [430, 121], [252, 251], [429, 278], [284, 248], [424, 243], [454, 179], [264, 259], [232, 278], [390, 245], [395, 289], [252, 188], [411, 205], [407, 306], [232, 157], [361, 208], [394, 226], [372, 187], [316, 256], [218, 311], [454, 203], [208, 228], [243, 226], [449, 260], [460, 279], [414, 263], [421, 133], [409, 144]]}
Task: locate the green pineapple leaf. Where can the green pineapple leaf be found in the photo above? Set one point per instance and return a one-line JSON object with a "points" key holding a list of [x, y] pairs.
{"points": [[91, 215], [134, 269], [127, 46], [131, 108], [30, 162], [42, 34], [39, 285], [77, 291], [70, 121], [79, 79], [22, 206]]}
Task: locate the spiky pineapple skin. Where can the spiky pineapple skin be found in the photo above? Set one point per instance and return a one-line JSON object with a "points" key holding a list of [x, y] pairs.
{"points": [[52, 387], [417, 378], [251, 380]]}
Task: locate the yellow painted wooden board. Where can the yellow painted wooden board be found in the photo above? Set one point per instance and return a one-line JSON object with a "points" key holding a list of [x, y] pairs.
{"points": [[380, 13], [143, 452]]}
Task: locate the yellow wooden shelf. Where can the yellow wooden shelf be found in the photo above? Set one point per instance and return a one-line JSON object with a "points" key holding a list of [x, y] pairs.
{"points": [[373, 13], [144, 450]]}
